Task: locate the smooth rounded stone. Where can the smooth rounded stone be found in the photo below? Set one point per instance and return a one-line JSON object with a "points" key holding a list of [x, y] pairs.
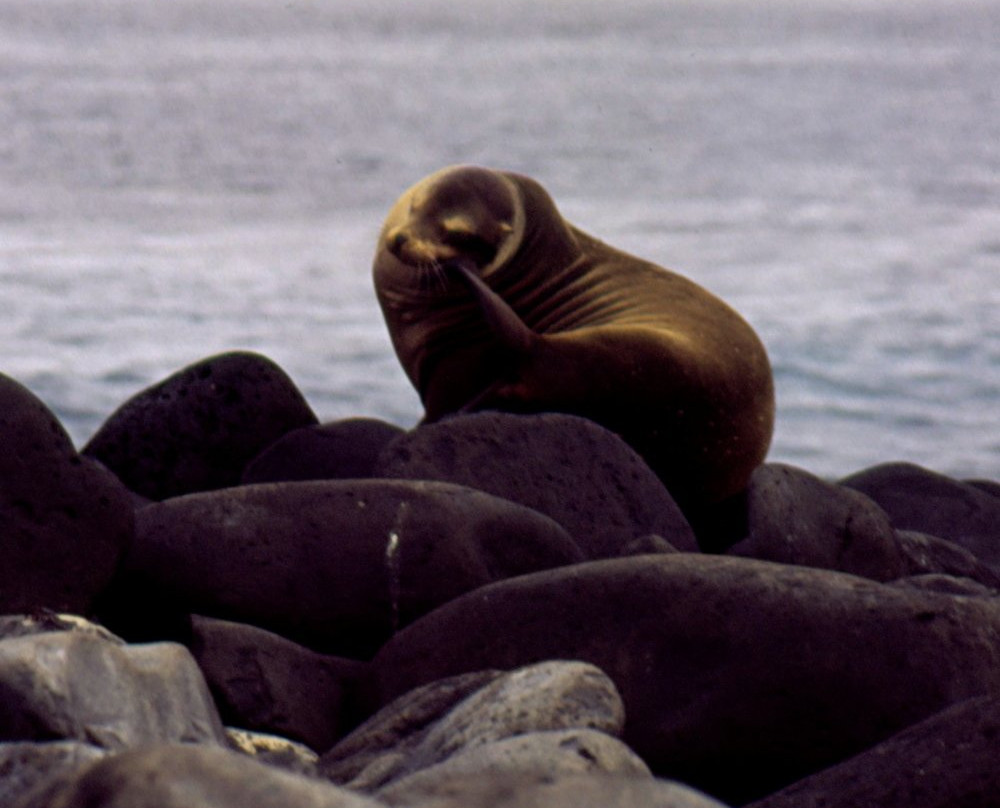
{"points": [[264, 682], [553, 754], [382, 743], [521, 790], [946, 761], [24, 765], [797, 518], [583, 476], [338, 565], [342, 450], [182, 776], [947, 585], [548, 696], [197, 429], [72, 685], [64, 520], [274, 750], [928, 502], [738, 676], [929, 555]]}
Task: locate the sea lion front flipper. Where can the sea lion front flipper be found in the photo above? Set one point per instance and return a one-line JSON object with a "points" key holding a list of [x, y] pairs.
{"points": [[509, 329]]}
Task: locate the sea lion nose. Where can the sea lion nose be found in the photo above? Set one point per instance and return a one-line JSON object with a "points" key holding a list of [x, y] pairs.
{"points": [[397, 241]]}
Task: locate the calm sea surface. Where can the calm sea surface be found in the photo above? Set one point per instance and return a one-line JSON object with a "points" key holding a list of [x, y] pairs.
{"points": [[183, 178]]}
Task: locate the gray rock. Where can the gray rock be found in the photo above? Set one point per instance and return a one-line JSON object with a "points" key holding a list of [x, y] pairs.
{"points": [[77, 686], [582, 475], [263, 682], [551, 755], [927, 502], [946, 761], [197, 429], [796, 518], [579, 791], [547, 696], [342, 450], [738, 676], [946, 584], [176, 776], [25, 765], [338, 565], [385, 739], [64, 520]]}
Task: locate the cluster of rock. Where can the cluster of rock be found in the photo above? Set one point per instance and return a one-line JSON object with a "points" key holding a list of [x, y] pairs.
{"points": [[221, 602]]}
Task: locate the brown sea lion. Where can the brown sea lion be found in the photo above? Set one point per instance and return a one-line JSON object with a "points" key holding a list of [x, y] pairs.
{"points": [[493, 301]]}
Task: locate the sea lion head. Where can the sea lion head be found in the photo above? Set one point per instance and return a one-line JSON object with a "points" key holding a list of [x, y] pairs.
{"points": [[461, 214]]}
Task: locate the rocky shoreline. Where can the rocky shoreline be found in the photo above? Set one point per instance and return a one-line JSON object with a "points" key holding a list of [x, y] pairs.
{"points": [[219, 601]]}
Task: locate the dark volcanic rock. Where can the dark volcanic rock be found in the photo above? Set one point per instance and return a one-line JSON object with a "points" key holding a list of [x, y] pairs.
{"points": [[196, 430], [338, 565], [73, 685], [266, 683], [583, 476], [929, 555], [946, 761], [927, 502], [796, 518], [174, 776], [738, 676], [64, 520], [342, 450]]}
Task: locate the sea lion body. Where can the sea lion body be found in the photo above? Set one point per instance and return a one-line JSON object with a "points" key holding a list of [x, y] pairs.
{"points": [[493, 301]]}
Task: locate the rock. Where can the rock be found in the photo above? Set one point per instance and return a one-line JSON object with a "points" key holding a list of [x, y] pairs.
{"points": [[342, 450], [266, 683], [554, 754], [547, 696], [336, 565], [929, 555], [176, 776], [76, 686], [946, 584], [274, 750], [25, 765], [196, 430], [796, 518], [580, 791], [738, 676], [64, 521], [927, 502], [384, 740], [583, 476], [41, 622], [946, 761]]}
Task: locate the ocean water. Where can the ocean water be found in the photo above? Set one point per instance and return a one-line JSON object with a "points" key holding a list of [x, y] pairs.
{"points": [[180, 179]]}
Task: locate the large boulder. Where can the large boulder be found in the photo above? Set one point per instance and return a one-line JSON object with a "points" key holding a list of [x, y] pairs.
{"points": [[583, 476], [927, 502], [946, 761], [738, 676], [197, 429], [336, 565], [64, 520], [796, 518]]}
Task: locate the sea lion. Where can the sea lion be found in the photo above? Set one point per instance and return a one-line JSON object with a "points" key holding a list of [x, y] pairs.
{"points": [[494, 301]]}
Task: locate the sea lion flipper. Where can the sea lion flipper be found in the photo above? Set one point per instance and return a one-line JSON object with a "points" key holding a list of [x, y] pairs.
{"points": [[509, 329]]}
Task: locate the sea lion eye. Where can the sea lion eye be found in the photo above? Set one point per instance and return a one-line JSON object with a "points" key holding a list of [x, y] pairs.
{"points": [[472, 245]]}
